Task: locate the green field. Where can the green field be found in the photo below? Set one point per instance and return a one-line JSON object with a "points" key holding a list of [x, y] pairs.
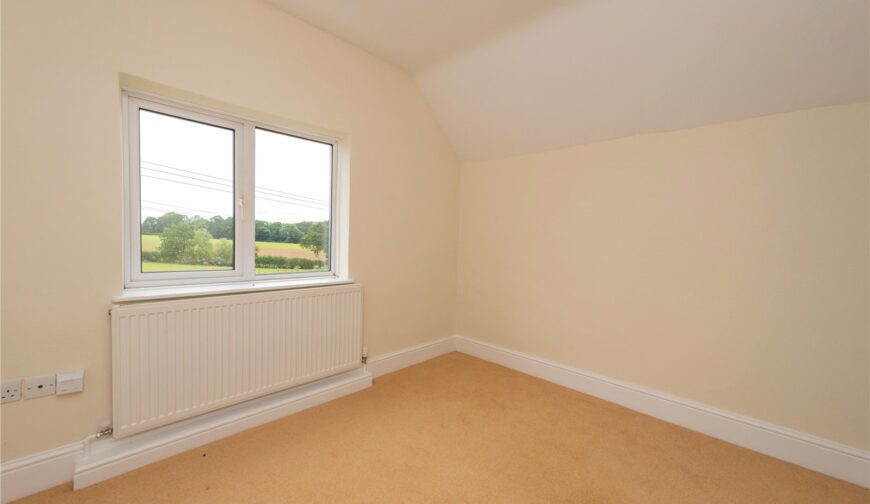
{"points": [[152, 267], [280, 246], [150, 243], [155, 267]]}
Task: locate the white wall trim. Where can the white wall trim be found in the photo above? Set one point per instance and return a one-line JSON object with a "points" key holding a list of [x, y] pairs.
{"points": [[119, 456], [31, 474], [112, 457], [811, 452], [27, 475], [397, 360]]}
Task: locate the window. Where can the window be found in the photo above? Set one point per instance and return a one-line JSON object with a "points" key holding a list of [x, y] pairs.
{"points": [[216, 198]]}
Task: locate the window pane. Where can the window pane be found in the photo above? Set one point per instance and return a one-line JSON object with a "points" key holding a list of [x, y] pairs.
{"points": [[293, 184], [186, 186]]}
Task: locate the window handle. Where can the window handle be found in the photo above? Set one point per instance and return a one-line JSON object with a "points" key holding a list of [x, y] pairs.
{"points": [[242, 208]]}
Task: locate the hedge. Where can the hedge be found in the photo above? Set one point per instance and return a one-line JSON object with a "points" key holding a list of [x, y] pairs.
{"points": [[260, 261], [287, 262]]}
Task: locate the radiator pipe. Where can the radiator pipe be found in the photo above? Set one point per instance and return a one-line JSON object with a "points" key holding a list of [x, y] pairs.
{"points": [[105, 430]]}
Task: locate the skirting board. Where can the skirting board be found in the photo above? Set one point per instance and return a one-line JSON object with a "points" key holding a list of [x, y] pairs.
{"points": [[817, 454], [113, 457], [37, 472], [395, 361], [34, 473]]}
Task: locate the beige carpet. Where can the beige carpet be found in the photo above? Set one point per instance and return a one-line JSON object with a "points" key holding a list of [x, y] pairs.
{"points": [[457, 429]]}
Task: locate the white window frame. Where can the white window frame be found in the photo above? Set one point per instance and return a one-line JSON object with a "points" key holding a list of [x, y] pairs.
{"points": [[244, 195]]}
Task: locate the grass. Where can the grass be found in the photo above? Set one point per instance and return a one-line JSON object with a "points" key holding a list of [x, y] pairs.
{"points": [[279, 246], [150, 243], [153, 267], [156, 267], [272, 271]]}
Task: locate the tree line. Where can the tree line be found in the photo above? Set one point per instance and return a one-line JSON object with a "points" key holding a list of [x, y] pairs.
{"points": [[222, 227], [196, 240]]}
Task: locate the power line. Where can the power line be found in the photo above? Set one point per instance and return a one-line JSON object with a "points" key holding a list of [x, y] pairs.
{"points": [[186, 183], [225, 185], [187, 177], [261, 188], [228, 192], [154, 209], [301, 201], [164, 210], [188, 171], [291, 195], [291, 203], [168, 205]]}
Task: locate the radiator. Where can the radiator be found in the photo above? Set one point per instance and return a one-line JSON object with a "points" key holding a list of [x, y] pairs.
{"points": [[173, 360]]}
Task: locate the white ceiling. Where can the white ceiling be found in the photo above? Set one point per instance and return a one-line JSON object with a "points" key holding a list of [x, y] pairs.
{"points": [[508, 77], [415, 33]]}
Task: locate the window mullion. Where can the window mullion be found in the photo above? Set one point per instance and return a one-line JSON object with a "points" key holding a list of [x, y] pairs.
{"points": [[245, 201]]}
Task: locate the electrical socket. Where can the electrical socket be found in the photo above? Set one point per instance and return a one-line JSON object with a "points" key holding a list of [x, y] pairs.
{"points": [[11, 391], [38, 386]]}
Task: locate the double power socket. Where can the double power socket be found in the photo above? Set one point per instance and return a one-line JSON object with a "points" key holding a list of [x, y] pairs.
{"points": [[38, 386]]}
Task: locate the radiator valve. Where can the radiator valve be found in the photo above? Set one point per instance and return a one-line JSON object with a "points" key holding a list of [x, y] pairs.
{"points": [[105, 430], [365, 355]]}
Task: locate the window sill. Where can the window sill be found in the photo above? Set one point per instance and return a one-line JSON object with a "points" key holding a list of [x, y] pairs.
{"points": [[190, 291]]}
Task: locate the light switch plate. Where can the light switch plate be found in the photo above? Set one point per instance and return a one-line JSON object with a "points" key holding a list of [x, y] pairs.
{"points": [[70, 381], [11, 391], [38, 386]]}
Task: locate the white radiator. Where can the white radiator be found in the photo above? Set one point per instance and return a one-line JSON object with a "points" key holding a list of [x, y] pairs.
{"points": [[172, 360]]}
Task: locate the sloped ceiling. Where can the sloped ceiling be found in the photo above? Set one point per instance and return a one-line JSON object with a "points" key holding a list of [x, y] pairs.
{"points": [[508, 77]]}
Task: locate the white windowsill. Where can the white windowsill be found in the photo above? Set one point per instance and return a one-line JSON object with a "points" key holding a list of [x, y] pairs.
{"points": [[188, 291]]}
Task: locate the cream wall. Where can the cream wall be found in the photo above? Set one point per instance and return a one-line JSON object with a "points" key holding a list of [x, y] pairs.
{"points": [[61, 154], [726, 264]]}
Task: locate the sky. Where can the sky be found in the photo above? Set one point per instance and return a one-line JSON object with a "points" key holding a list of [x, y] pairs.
{"points": [[187, 167]]}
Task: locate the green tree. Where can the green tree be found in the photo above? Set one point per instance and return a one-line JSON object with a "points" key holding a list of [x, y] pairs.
{"points": [[202, 250], [223, 251], [151, 226], [221, 227], [276, 229], [303, 227], [169, 219], [291, 233], [199, 222], [315, 239], [262, 231], [176, 243]]}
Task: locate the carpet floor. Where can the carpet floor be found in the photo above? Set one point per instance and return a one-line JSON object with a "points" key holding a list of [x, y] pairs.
{"points": [[458, 429]]}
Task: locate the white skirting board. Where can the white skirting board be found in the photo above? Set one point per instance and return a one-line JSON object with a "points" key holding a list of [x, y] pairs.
{"points": [[34, 473], [37, 472], [802, 449], [395, 361], [112, 457], [821, 455]]}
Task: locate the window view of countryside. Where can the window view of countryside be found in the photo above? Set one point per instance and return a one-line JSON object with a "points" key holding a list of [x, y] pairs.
{"points": [[188, 182], [177, 242]]}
